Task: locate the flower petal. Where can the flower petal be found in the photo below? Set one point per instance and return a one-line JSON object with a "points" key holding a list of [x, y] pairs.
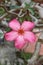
{"points": [[11, 36], [14, 24], [19, 43], [29, 36], [27, 25]]}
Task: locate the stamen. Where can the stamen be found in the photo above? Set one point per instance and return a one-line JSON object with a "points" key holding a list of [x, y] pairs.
{"points": [[21, 31]]}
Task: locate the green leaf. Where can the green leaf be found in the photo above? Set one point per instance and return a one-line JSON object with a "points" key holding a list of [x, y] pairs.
{"points": [[27, 5], [1, 34], [2, 11], [16, 7], [26, 55], [7, 29], [31, 10]]}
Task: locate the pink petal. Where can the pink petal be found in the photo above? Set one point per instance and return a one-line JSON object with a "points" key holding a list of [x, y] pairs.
{"points": [[27, 25], [14, 24], [11, 36], [19, 43], [29, 36]]}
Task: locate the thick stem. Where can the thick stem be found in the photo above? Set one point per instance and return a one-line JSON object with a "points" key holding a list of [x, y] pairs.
{"points": [[36, 53]]}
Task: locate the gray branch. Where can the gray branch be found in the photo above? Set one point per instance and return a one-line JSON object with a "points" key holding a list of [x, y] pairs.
{"points": [[36, 54]]}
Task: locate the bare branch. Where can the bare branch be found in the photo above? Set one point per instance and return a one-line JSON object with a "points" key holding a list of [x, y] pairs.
{"points": [[34, 18], [36, 53], [11, 12]]}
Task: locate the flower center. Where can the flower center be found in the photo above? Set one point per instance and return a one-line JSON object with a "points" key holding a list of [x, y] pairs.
{"points": [[21, 31]]}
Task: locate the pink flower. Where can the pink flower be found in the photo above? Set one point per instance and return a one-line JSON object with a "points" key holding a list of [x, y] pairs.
{"points": [[21, 33]]}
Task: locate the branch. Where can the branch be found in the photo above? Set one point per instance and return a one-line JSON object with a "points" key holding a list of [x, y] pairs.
{"points": [[7, 12], [34, 18], [11, 12], [36, 53], [41, 58]]}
